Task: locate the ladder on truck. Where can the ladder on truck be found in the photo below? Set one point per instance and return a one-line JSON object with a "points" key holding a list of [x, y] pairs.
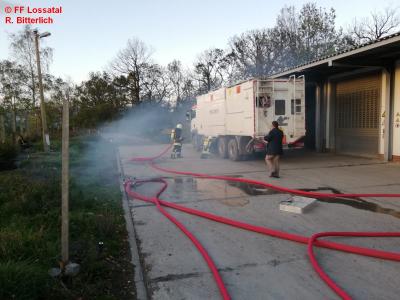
{"points": [[264, 88], [295, 106]]}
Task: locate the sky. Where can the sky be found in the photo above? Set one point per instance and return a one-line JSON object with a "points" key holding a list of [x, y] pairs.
{"points": [[88, 34]]}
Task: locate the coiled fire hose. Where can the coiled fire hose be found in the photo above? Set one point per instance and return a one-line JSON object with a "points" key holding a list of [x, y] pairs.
{"points": [[310, 241]]}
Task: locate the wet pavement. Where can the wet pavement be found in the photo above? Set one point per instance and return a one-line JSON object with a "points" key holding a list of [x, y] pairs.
{"points": [[254, 266]]}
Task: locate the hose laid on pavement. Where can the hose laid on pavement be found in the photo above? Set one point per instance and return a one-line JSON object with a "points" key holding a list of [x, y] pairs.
{"points": [[263, 230], [338, 290], [190, 235], [271, 186]]}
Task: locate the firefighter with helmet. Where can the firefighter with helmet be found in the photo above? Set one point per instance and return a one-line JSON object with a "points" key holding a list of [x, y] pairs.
{"points": [[176, 139]]}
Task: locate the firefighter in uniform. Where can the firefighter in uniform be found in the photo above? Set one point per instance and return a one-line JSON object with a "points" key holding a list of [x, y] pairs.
{"points": [[176, 139]]}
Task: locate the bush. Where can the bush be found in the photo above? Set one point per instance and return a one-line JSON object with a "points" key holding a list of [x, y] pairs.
{"points": [[8, 154], [8, 151]]}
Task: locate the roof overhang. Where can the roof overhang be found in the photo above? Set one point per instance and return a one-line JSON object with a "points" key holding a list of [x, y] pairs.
{"points": [[381, 53]]}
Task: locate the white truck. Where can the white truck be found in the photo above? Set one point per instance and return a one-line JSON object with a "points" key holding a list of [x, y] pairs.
{"points": [[237, 117]]}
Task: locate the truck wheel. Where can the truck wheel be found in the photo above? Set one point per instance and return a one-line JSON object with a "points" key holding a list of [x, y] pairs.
{"points": [[247, 152], [222, 148], [233, 150], [199, 143], [196, 142]]}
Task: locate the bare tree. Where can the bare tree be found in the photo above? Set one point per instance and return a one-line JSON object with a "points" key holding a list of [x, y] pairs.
{"points": [[379, 24], [23, 48], [317, 31], [301, 36], [177, 79], [132, 62], [156, 87], [188, 89], [12, 77], [297, 37], [252, 53], [209, 69], [286, 38]]}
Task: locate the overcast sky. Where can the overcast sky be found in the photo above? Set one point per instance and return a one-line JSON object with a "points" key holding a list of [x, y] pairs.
{"points": [[88, 34]]}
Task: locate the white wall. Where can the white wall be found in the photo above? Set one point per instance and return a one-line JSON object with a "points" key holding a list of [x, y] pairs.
{"points": [[396, 125], [384, 98]]}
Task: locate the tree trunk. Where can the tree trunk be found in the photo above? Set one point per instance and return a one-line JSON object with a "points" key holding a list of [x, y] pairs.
{"points": [[137, 95], [27, 125], [13, 124], [2, 130]]}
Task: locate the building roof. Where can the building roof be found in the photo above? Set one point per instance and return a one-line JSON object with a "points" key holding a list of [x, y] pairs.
{"points": [[372, 54]]}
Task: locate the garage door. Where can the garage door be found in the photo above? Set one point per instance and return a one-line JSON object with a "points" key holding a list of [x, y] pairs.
{"points": [[357, 116]]}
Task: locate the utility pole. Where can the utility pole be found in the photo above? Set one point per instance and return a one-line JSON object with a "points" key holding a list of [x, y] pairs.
{"points": [[65, 183], [45, 132]]}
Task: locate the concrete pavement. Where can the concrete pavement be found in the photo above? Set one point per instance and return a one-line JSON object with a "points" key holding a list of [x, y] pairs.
{"points": [[254, 266]]}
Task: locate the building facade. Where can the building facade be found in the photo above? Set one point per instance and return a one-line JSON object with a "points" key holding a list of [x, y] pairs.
{"points": [[353, 100]]}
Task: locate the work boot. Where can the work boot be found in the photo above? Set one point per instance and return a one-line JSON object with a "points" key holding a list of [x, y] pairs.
{"points": [[274, 175]]}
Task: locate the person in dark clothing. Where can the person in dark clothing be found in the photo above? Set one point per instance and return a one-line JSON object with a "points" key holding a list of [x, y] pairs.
{"points": [[274, 149]]}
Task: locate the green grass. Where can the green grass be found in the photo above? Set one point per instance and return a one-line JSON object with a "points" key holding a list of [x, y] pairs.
{"points": [[30, 201], [30, 279]]}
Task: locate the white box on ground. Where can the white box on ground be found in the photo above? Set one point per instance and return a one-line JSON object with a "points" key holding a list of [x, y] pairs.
{"points": [[297, 204]]}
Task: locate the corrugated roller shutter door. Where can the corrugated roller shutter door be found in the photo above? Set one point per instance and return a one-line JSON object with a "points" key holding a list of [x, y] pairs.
{"points": [[357, 116]]}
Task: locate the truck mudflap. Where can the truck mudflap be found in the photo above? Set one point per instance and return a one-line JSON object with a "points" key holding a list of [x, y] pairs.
{"points": [[255, 144], [259, 146], [299, 143]]}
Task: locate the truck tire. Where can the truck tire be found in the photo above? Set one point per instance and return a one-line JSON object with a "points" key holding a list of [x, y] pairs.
{"points": [[222, 147], [194, 140], [200, 143], [233, 150], [197, 142], [245, 153]]}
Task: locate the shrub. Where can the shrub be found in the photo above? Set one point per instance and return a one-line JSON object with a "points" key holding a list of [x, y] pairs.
{"points": [[8, 154]]}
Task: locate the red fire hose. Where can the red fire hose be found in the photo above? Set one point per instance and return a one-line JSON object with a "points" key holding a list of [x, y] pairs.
{"points": [[273, 187], [190, 235], [313, 241], [339, 291]]}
